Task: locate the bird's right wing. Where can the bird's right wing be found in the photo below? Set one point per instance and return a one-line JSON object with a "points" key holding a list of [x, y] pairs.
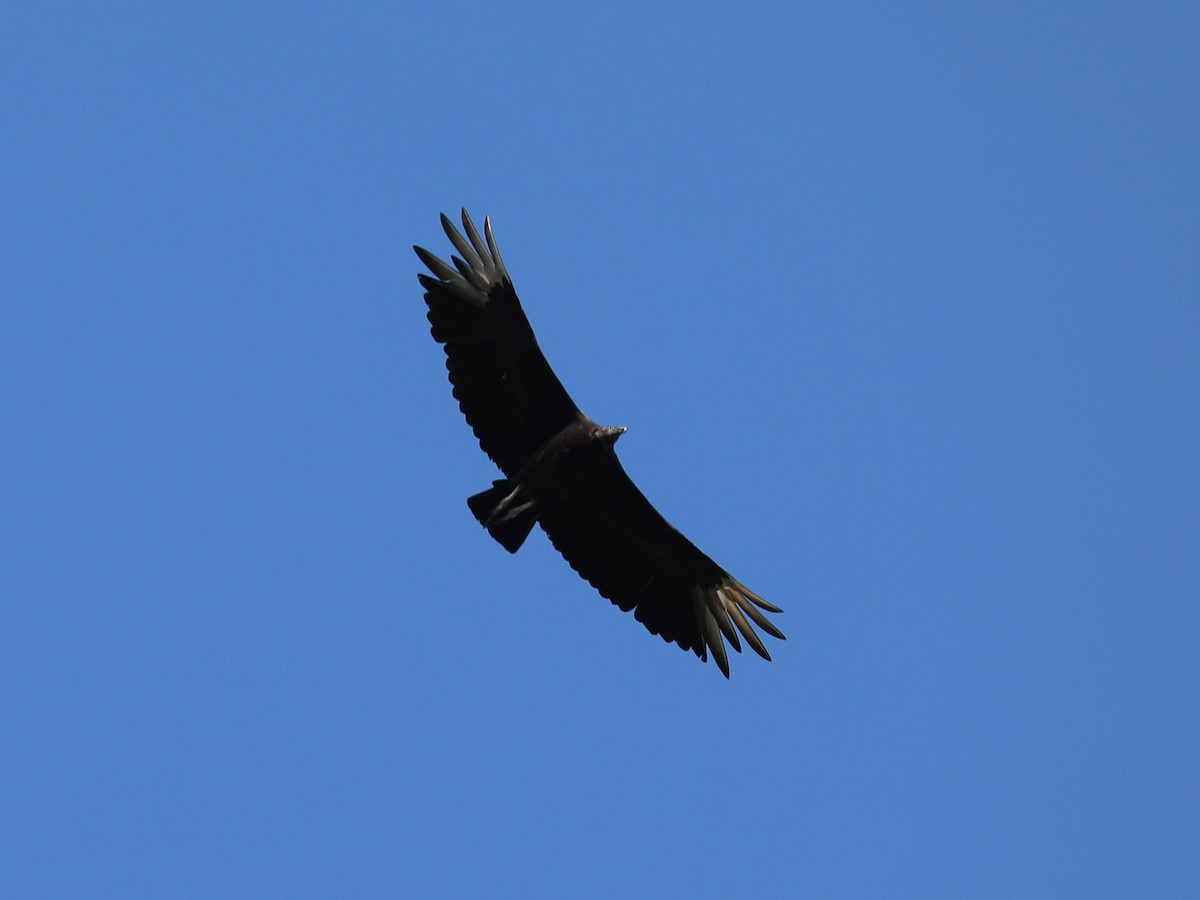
{"points": [[511, 397], [612, 536]]}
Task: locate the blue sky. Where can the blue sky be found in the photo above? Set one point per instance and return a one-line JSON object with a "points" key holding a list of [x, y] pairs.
{"points": [[901, 306]]}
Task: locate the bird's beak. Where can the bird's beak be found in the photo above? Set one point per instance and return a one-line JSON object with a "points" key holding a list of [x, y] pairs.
{"points": [[612, 432]]}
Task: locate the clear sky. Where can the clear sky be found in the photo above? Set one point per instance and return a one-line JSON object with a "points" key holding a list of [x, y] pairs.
{"points": [[900, 303]]}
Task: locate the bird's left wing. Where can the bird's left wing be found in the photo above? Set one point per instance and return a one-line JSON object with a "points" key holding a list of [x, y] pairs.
{"points": [[613, 537], [511, 397]]}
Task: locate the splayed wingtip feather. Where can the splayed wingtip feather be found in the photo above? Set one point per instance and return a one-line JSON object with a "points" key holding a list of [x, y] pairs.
{"points": [[495, 251], [718, 604], [748, 632], [757, 600], [761, 621], [449, 279], [473, 233], [460, 243], [471, 274], [710, 633]]}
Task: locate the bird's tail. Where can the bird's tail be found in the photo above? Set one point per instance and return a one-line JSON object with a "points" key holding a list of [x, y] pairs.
{"points": [[510, 530]]}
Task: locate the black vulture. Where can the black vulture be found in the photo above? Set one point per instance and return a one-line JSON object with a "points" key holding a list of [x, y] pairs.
{"points": [[561, 468]]}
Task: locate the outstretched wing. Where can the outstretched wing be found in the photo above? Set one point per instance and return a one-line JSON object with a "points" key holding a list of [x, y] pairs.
{"points": [[615, 539], [511, 397]]}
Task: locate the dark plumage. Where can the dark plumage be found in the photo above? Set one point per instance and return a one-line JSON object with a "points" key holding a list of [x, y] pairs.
{"points": [[561, 468]]}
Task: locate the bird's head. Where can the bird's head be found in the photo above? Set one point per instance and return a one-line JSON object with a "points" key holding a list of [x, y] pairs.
{"points": [[610, 433]]}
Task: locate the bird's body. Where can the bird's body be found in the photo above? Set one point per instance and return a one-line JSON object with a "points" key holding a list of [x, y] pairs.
{"points": [[568, 464], [561, 468]]}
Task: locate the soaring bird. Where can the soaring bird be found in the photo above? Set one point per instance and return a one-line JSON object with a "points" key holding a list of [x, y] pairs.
{"points": [[561, 468]]}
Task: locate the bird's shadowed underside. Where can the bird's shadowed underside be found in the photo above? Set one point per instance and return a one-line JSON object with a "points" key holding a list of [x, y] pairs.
{"points": [[561, 468]]}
